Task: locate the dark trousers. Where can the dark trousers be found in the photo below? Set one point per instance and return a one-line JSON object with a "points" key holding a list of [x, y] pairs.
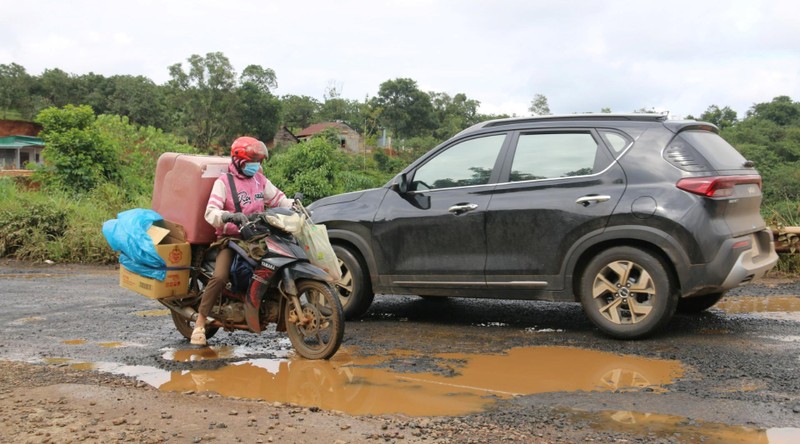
{"points": [[222, 271]]}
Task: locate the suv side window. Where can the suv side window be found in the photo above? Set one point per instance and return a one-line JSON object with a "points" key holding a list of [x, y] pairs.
{"points": [[556, 155], [463, 164], [616, 141]]}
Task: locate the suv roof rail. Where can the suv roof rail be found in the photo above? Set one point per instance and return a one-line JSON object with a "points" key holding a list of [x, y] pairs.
{"points": [[641, 117]]}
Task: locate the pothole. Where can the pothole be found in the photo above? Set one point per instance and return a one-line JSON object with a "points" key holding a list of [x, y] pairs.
{"points": [[360, 385]]}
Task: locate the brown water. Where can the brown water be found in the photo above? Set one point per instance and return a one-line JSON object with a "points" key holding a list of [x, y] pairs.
{"points": [[74, 341], [355, 385], [149, 313], [690, 431], [752, 304]]}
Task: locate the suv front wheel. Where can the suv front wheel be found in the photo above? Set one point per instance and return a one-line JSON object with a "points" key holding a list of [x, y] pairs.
{"points": [[355, 289], [627, 293]]}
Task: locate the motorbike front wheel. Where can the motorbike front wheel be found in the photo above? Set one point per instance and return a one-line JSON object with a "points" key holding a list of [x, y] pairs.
{"points": [[319, 334]]}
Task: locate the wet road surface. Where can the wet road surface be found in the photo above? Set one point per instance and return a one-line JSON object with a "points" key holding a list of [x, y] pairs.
{"points": [[727, 375]]}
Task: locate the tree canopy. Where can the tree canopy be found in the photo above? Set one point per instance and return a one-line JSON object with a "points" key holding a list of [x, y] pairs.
{"points": [[206, 104]]}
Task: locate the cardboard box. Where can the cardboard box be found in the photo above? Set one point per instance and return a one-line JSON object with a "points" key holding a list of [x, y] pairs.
{"points": [[170, 243]]}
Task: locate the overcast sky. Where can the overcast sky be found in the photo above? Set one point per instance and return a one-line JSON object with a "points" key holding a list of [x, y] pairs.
{"points": [[583, 55]]}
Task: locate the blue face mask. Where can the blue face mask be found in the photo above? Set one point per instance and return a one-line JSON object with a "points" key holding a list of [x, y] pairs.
{"points": [[250, 169]]}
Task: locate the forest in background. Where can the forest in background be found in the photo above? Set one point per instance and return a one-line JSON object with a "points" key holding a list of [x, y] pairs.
{"points": [[104, 136]]}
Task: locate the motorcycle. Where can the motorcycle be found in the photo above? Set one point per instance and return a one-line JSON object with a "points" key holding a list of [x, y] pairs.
{"points": [[272, 281]]}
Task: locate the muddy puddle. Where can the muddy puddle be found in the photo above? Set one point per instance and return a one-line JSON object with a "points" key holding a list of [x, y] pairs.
{"points": [[452, 384], [785, 308], [752, 304], [151, 313], [688, 430]]}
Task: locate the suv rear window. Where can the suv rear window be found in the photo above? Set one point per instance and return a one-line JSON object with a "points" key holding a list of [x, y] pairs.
{"points": [[719, 154]]}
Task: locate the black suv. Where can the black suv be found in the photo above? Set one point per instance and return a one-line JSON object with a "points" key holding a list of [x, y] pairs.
{"points": [[634, 216]]}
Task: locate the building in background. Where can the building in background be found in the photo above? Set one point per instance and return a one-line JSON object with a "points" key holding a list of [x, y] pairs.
{"points": [[349, 139], [19, 144]]}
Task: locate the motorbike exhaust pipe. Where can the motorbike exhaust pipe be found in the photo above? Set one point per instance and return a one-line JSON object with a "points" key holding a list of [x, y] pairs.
{"points": [[188, 313]]}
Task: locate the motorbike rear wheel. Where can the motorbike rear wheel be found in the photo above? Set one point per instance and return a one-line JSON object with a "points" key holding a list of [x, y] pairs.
{"points": [[185, 326], [321, 336]]}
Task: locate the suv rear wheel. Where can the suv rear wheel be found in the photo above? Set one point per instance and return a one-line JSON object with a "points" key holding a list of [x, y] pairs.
{"points": [[355, 290], [627, 293]]}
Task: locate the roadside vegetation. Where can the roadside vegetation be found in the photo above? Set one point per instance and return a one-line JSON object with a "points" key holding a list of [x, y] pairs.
{"points": [[104, 135]]}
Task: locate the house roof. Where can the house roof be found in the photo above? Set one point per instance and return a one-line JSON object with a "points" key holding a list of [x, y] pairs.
{"points": [[319, 127], [20, 141]]}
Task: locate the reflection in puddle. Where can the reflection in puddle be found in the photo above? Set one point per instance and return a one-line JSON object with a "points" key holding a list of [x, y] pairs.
{"points": [[345, 382], [206, 353], [150, 313], [74, 341], [752, 304], [688, 430]]}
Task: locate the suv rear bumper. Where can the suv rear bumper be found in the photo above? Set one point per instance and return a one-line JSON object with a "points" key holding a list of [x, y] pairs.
{"points": [[753, 263], [734, 266]]}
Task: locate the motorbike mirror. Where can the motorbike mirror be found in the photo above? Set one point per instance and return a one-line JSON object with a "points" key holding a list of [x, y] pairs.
{"points": [[298, 196]]}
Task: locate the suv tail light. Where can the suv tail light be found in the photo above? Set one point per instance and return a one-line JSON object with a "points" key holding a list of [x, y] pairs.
{"points": [[716, 186]]}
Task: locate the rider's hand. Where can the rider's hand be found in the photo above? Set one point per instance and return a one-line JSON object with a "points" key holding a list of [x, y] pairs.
{"points": [[236, 218]]}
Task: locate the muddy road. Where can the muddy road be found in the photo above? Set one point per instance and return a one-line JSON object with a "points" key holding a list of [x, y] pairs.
{"points": [[84, 360]]}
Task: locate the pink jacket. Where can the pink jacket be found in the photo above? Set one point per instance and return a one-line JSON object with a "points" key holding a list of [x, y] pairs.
{"points": [[255, 194]]}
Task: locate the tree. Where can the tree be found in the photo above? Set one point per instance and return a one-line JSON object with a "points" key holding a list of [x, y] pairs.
{"points": [[76, 157], [780, 110], [203, 98], [15, 86], [91, 89], [539, 106], [309, 168], [56, 87], [299, 111], [258, 112], [337, 108], [263, 78], [139, 99], [406, 110], [723, 118], [453, 114]]}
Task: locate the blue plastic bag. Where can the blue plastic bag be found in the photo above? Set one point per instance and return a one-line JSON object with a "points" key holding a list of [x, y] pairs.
{"points": [[127, 234]]}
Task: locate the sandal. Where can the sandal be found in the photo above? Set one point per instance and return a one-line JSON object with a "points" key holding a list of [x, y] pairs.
{"points": [[198, 336]]}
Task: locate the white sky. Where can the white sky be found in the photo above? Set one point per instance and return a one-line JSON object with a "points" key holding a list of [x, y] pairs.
{"points": [[583, 55]]}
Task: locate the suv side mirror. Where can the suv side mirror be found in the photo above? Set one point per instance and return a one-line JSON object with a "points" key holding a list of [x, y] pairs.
{"points": [[401, 184]]}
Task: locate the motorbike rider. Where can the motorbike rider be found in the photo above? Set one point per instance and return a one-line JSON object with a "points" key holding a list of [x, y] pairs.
{"points": [[255, 193]]}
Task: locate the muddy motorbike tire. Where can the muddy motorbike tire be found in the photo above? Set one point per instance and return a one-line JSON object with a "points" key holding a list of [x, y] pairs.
{"points": [[185, 326], [322, 336]]}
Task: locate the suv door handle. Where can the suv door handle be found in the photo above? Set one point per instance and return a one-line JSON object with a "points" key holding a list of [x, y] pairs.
{"points": [[462, 208], [587, 200]]}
